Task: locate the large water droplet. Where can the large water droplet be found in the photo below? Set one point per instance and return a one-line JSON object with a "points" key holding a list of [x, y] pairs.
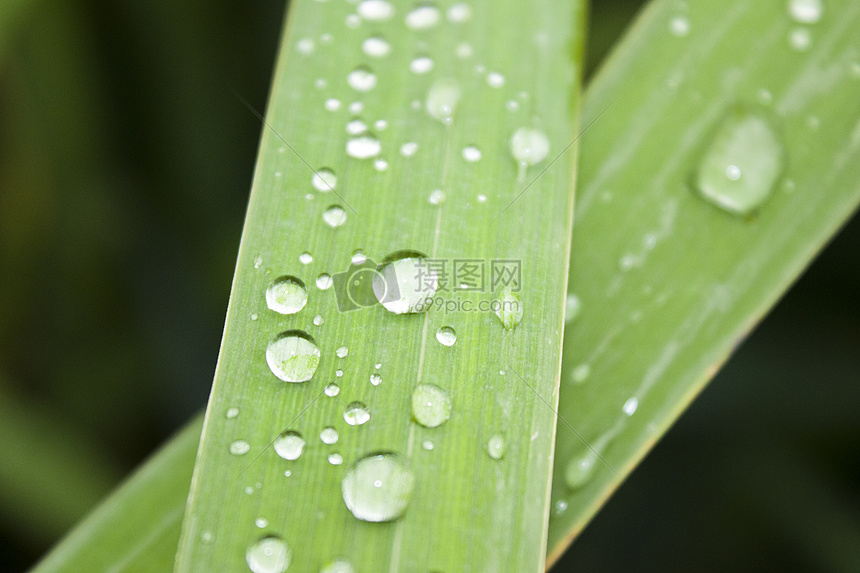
{"points": [[806, 11], [338, 566], [378, 487], [286, 295], [509, 308], [361, 79], [334, 216], [742, 164], [375, 10], [329, 435], [442, 99], [269, 555], [239, 448], [406, 284], [529, 146], [324, 180], [424, 15], [446, 336], [356, 414], [293, 356], [376, 47], [289, 445], [496, 447], [364, 146], [431, 405]]}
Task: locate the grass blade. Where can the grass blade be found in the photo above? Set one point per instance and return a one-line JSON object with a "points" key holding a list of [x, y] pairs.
{"points": [[502, 383], [668, 283]]}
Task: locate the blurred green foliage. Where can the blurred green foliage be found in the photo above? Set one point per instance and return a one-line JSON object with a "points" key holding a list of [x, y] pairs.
{"points": [[125, 163]]}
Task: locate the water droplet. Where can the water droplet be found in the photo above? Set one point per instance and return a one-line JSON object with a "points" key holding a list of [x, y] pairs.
{"points": [[679, 26], [338, 373], [342, 352], [338, 566], [442, 99], [363, 147], [335, 459], [361, 79], [293, 356], [324, 281], [287, 473], [581, 373], [261, 522], [459, 13], [358, 257], [376, 47], [380, 165], [232, 413], [289, 445], [375, 379], [512, 105], [464, 50], [381, 124], [332, 390], [631, 405], [329, 435], [207, 537], [424, 15], [509, 308], [406, 284], [332, 104], [560, 507], [408, 149], [306, 258], [431, 405], [375, 10], [240, 448], [356, 127], [286, 295], [497, 447], [249, 490], [428, 445], [806, 11], [320, 84], [471, 154], [356, 107], [318, 320], [437, 197], [334, 216], [800, 39], [269, 555], [529, 146], [421, 65], [446, 336], [742, 164], [579, 470], [378, 487], [305, 46], [572, 308], [378, 365], [258, 262], [352, 21], [495, 80], [356, 414]]}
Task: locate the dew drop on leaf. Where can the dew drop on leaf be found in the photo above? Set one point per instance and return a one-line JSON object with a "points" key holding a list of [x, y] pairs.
{"points": [[240, 448], [378, 487], [356, 414], [293, 356], [334, 216], [431, 405], [446, 336], [286, 295], [496, 447], [269, 555], [289, 445]]}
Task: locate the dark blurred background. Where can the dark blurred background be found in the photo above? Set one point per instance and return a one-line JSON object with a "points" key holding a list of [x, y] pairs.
{"points": [[125, 164]]}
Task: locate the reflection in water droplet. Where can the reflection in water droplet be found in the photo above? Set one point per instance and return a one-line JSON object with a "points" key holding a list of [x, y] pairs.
{"points": [[572, 308], [806, 11], [329, 435], [286, 295], [356, 414], [361, 79], [324, 180], [423, 16], [363, 147], [431, 405], [742, 164], [405, 285], [269, 555], [332, 390], [376, 47], [334, 216], [293, 356], [323, 282], [289, 445], [446, 336], [509, 308], [378, 487], [442, 99], [240, 448], [529, 146], [497, 447], [471, 154]]}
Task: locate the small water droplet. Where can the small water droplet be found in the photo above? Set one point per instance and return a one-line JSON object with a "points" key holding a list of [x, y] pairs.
{"points": [[249, 490], [431, 405], [509, 308], [375, 379], [356, 127], [320, 84], [287, 473], [332, 104], [512, 105], [679, 26], [329, 435], [338, 566], [342, 352], [377, 503], [459, 13], [305, 46], [207, 537], [318, 320], [352, 21], [630, 405], [338, 373], [581, 373], [232, 413], [381, 124], [293, 356], [261, 522], [335, 459], [806, 11], [306, 258], [356, 414], [334, 216], [742, 164], [332, 390], [376, 47], [442, 99], [446, 336], [560, 507], [482, 198], [286, 295], [356, 107], [471, 154], [408, 149], [529, 146], [579, 469], [495, 80], [289, 445], [496, 447], [258, 262], [240, 448], [437, 197], [406, 284], [800, 39], [464, 50], [380, 165], [364, 146], [269, 555], [428, 445], [572, 308], [425, 15], [324, 281], [421, 65], [375, 10], [378, 365], [361, 79], [358, 257]]}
